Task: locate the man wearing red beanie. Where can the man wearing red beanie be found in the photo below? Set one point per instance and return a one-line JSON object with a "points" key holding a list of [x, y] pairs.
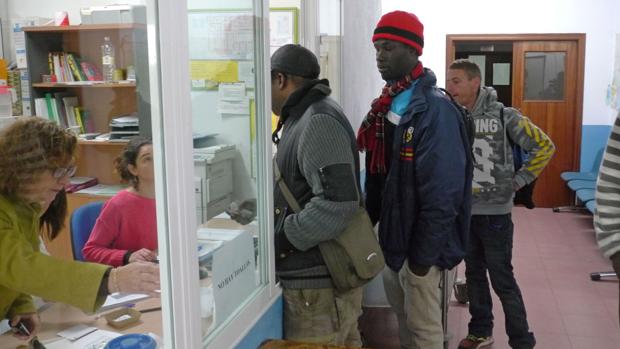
{"points": [[418, 179]]}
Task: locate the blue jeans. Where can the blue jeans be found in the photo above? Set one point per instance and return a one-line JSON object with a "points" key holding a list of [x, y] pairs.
{"points": [[490, 249]]}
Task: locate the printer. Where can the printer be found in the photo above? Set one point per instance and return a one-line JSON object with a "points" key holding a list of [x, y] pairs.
{"points": [[213, 180]]}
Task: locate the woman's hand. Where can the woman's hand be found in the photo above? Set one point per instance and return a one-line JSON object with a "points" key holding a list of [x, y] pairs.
{"points": [[142, 255], [138, 277], [32, 323]]}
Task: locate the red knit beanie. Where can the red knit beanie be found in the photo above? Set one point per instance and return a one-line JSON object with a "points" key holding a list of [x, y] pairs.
{"points": [[401, 26]]}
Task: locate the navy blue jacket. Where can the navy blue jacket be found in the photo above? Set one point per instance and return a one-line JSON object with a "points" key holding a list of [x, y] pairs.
{"points": [[426, 200]]}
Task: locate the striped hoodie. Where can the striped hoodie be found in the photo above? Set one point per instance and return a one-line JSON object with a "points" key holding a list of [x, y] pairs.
{"points": [[495, 178], [607, 213]]}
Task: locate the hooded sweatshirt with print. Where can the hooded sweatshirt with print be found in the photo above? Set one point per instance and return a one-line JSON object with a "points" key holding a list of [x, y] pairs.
{"points": [[495, 178]]}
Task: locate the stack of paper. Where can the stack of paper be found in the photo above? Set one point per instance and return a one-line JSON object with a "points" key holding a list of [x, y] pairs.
{"points": [[102, 189], [123, 127]]}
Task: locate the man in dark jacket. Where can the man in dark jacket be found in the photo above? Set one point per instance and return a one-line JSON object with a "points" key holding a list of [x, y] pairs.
{"points": [[419, 171], [317, 158]]}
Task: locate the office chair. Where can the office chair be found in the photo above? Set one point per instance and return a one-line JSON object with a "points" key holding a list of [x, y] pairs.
{"points": [[82, 222]]}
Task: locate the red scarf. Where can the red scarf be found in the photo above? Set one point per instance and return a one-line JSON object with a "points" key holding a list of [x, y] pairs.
{"points": [[370, 134]]}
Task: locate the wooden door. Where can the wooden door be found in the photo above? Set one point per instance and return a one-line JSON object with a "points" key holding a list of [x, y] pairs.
{"points": [[545, 88]]}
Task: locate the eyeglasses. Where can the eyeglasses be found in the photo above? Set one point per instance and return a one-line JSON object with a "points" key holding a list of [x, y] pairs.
{"points": [[64, 171]]}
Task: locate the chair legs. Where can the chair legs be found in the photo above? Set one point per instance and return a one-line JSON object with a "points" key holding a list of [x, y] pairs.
{"points": [[603, 275], [575, 207], [568, 208]]}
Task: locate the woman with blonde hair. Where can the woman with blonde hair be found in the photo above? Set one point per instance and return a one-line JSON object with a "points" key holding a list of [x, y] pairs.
{"points": [[36, 161]]}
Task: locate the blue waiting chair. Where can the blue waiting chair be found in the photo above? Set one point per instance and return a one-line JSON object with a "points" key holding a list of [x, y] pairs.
{"points": [[578, 184], [589, 175], [591, 206], [585, 195], [82, 222]]}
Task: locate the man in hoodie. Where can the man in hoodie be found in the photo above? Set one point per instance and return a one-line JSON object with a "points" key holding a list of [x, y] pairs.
{"points": [[495, 182], [418, 179], [318, 160]]}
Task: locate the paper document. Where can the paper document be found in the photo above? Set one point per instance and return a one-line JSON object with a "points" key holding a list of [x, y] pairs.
{"points": [[95, 340], [76, 332], [246, 73], [102, 189], [234, 107], [218, 234], [118, 299], [4, 326], [231, 92]]}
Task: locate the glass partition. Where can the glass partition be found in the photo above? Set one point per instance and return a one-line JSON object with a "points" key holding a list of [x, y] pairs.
{"points": [[227, 102], [544, 75]]}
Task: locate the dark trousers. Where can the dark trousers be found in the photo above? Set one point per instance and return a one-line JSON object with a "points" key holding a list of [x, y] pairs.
{"points": [[490, 249]]}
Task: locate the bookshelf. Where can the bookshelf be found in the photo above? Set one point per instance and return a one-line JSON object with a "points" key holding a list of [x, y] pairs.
{"points": [[83, 85], [102, 100]]}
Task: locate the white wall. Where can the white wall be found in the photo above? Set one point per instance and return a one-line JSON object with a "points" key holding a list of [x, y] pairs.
{"points": [[47, 9], [361, 80], [329, 17], [597, 18], [29, 8]]}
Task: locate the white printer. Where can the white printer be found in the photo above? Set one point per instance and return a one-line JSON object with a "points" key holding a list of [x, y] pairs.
{"points": [[213, 180]]}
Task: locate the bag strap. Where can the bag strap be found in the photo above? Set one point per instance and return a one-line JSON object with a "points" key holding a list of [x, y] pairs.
{"points": [[288, 195]]}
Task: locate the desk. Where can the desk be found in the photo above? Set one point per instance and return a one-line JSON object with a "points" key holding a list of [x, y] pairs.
{"points": [[59, 316]]}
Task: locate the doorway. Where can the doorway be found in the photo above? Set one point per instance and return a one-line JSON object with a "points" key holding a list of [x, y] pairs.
{"points": [[542, 76]]}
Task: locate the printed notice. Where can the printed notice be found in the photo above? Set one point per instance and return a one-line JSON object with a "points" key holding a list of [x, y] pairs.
{"points": [[501, 74], [481, 61], [232, 99], [246, 73], [234, 277]]}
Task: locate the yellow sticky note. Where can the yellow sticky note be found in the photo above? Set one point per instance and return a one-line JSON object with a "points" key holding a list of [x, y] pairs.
{"points": [[220, 71]]}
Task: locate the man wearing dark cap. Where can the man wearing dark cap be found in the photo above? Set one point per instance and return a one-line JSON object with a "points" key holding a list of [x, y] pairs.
{"points": [[317, 158], [418, 180]]}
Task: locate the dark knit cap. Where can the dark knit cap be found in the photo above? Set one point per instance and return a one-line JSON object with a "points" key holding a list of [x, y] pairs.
{"points": [[401, 26], [295, 60]]}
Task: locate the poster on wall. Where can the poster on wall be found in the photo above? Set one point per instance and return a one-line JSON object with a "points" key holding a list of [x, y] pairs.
{"points": [[613, 90], [481, 61], [221, 35], [282, 27]]}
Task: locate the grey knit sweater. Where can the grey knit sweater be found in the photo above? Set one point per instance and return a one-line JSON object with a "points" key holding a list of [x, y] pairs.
{"points": [[607, 213], [315, 135]]}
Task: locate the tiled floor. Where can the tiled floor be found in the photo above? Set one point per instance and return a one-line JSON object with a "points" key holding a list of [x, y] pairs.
{"points": [[554, 254]]}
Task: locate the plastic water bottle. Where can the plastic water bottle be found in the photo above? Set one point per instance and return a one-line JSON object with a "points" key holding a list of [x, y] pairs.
{"points": [[107, 59]]}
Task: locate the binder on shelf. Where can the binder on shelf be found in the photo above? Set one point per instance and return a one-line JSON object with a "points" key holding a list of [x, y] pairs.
{"points": [[52, 111], [40, 108], [25, 87], [15, 88], [60, 107], [69, 103]]}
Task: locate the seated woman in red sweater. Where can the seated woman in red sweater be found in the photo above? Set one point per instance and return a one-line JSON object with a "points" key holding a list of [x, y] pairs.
{"points": [[126, 229]]}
